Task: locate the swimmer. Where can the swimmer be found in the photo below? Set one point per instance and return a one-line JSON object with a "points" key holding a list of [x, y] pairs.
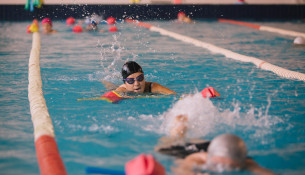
{"points": [[225, 153], [93, 27], [134, 81], [183, 18], [47, 26], [299, 41]]}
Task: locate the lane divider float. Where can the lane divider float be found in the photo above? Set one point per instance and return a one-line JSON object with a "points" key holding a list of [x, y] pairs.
{"points": [[263, 28], [48, 156], [227, 53]]}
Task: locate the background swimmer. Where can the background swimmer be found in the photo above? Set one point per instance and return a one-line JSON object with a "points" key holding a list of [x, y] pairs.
{"points": [[134, 81], [93, 27], [299, 41], [47, 26], [183, 18]]}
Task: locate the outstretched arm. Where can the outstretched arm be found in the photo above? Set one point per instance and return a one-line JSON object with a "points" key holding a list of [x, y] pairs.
{"points": [[255, 168]]}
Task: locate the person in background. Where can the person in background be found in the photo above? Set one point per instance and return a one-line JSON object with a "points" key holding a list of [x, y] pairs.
{"points": [[181, 17], [134, 81], [47, 26], [299, 41]]}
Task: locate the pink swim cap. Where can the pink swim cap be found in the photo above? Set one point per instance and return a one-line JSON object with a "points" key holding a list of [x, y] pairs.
{"points": [[111, 20], [77, 29], [144, 165], [47, 20], [113, 29], [70, 21], [181, 14]]}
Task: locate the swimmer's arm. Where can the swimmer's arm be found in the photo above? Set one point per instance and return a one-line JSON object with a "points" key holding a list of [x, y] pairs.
{"points": [[255, 168], [187, 165], [122, 90], [109, 85], [157, 88]]}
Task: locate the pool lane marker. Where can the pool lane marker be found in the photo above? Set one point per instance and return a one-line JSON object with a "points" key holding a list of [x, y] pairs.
{"points": [[229, 54], [263, 28], [48, 156]]}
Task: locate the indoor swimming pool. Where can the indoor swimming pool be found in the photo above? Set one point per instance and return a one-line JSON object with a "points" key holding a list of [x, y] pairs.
{"points": [[264, 109]]}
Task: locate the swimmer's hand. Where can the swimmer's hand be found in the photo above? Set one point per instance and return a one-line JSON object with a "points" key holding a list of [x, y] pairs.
{"points": [[187, 165]]}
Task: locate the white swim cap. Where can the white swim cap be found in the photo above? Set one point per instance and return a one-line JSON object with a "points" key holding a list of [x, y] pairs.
{"points": [[228, 146], [299, 41]]}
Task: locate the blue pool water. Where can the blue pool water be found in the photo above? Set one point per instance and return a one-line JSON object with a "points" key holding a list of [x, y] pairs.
{"points": [[267, 111]]}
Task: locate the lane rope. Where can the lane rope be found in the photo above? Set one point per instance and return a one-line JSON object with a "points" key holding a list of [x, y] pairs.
{"points": [[229, 54], [48, 156], [263, 28]]}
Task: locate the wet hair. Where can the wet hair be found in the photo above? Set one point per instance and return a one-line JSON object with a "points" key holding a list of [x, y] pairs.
{"points": [[228, 146], [129, 68]]}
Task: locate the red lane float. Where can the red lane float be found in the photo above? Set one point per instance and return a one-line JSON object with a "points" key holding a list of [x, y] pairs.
{"points": [[48, 156], [263, 28], [239, 23]]}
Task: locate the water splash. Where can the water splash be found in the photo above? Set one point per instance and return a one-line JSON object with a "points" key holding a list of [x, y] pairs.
{"points": [[111, 59], [205, 120]]}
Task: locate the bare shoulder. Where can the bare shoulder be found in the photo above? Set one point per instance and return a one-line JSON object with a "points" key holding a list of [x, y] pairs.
{"points": [[121, 88], [157, 88]]}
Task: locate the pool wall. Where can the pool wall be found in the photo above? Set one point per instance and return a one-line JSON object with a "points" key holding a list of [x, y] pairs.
{"points": [[156, 12]]}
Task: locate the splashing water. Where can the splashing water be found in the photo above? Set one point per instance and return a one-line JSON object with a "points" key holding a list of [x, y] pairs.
{"points": [[205, 120]]}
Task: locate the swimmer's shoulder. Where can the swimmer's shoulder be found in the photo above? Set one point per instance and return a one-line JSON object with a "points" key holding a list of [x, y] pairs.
{"points": [[121, 88], [157, 88]]}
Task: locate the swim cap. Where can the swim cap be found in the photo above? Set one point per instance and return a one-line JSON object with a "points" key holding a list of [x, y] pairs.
{"points": [[228, 146], [299, 40], [70, 21], [181, 14], [111, 20], [113, 29], [77, 29], [46, 20], [129, 68], [144, 165]]}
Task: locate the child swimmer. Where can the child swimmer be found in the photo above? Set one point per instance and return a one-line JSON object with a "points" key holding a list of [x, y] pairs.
{"points": [[47, 26], [134, 81]]}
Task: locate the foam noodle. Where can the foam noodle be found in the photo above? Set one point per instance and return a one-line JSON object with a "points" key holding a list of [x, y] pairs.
{"points": [[208, 92], [112, 97]]}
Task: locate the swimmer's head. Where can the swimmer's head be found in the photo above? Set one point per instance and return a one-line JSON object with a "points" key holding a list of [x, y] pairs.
{"points": [[299, 41], [46, 25], [46, 21], [181, 14], [226, 152], [133, 77], [129, 68]]}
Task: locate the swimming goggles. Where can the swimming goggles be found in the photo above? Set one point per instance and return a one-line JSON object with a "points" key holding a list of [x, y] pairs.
{"points": [[132, 80]]}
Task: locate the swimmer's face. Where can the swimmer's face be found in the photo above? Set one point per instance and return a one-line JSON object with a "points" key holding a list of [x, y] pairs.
{"points": [[46, 27], [221, 164], [181, 17], [137, 86]]}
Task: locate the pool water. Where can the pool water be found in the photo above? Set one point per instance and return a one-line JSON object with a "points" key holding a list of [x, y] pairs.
{"points": [[265, 110]]}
